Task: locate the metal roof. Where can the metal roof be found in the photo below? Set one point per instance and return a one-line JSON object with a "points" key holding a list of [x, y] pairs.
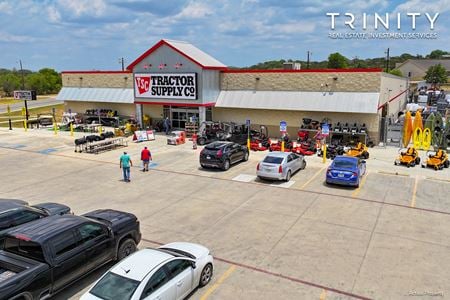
{"points": [[110, 95], [426, 63], [302, 101], [186, 49]]}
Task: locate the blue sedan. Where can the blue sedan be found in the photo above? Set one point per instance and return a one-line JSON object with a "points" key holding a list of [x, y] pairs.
{"points": [[346, 170]]}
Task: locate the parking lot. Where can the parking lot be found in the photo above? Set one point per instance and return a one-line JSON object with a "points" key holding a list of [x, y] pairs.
{"points": [[387, 239]]}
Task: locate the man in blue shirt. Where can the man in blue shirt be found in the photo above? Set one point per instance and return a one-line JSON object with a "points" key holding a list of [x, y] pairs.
{"points": [[125, 164]]}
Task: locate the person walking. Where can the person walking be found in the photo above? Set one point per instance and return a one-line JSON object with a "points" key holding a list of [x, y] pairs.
{"points": [[125, 164], [319, 137], [167, 125], [146, 157]]}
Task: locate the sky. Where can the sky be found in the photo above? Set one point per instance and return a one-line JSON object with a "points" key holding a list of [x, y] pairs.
{"points": [[95, 34]]}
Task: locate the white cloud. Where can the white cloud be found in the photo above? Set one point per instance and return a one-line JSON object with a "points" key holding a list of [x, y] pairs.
{"points": [[13, 38], [5, 7], [84, 7], [53, 14], [424, 6], [295, 27], [195, 10]]}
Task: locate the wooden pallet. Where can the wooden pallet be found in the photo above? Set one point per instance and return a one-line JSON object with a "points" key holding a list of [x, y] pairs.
{"points": [[190, 129]]}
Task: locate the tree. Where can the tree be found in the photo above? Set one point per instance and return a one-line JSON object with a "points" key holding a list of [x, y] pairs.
{"points": [[337, 61], [9, 83], [436, 74], [396, 72], [437, 54]]}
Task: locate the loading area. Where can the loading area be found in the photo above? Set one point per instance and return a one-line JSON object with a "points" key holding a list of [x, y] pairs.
{"points": [[387, 239]]}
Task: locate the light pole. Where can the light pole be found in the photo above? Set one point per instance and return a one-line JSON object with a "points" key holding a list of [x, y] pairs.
{"points": [[23, 88], [122, 61], [308, 53]]}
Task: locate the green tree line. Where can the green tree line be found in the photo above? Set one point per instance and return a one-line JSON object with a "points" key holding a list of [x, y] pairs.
{"points": [[338, 61], [45, 81]]}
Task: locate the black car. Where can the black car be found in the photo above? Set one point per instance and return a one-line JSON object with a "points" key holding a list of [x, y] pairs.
{"points": [[222, 155], [17, 212], [40, 258]]}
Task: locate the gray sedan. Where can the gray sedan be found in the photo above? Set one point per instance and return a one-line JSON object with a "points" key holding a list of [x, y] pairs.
{"points": [[280, 165]]}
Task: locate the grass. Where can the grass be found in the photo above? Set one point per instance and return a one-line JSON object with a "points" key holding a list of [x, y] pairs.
{"points": [[33, 113]]}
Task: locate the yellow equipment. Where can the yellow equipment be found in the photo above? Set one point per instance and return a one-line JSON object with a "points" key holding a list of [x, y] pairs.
{"points": [[360, 150], [410, 157], [437, 160]]}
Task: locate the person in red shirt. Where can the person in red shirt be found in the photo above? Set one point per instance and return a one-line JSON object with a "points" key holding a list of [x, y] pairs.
{"points": [[146, 157]]}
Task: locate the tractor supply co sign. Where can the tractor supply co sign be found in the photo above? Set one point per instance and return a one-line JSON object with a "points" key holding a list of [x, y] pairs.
{"points": [[166, 85]]}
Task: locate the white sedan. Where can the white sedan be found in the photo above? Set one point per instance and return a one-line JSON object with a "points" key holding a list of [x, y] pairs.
{"points": [[169, 272], [280, 165]]}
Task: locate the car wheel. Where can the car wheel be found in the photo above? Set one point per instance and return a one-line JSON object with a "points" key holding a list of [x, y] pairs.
{"points": [[226, 165], [288, 176], [417, 160], [206, 275], [203, 166], [304, 165], [126, 248], [245, 156]]}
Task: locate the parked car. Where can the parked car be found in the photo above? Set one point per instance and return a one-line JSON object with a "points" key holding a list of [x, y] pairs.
{"points": [[222, 155], [172, 271], [280, 165], [40, 258], [346, 170], [16, 212]]}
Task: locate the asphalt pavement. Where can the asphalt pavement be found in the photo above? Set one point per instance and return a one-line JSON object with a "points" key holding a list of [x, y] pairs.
{"points": [[30, 104]]}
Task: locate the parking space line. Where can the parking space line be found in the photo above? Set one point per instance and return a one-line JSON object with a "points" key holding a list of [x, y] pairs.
{"points": [[218, 283], [56, 154], [323, 295], [313, 177], [279, 275], [413, 199], [356, 192]]}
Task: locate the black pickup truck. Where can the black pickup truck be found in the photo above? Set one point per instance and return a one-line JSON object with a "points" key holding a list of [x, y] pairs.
{"points": [[41, 258]]}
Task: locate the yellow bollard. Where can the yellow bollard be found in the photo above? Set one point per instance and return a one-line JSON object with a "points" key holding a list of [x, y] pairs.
{"points": [[25, 125], [282, 146], [248, 144], [71, 129], [99, 129], [324, 153], [55, 128]]}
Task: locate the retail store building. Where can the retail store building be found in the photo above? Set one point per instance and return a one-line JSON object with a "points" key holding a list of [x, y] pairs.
{"points": [[177, 80]]}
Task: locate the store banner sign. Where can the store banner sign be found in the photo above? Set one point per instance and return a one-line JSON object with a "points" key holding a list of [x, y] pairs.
{"points": [[166, 85]]}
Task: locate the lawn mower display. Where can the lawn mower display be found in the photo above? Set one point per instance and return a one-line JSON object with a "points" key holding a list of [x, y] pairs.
{"points": [[360, 150], [307, 147], [287, 144], [437, 160], [332, 151], [409, 157], [259, 139]]}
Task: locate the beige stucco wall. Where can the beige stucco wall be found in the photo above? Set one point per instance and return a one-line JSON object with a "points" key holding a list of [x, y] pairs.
{"points": [[272, 118], [81, 107], [390, 87], [98, 80], [304, 81]]}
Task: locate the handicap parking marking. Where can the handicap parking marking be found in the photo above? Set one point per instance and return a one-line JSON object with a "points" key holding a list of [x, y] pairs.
{"points": [[283, 184], [153, 165], [47, 151], [12, 146], [244, 178]]}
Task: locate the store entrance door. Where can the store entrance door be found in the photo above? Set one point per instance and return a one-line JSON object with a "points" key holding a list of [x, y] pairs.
{"points": [[181, 115]]}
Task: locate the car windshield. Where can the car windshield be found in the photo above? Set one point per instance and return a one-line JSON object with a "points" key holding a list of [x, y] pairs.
{"points": [[214, 146], [346, 164], [114, 287], [273, 160]]}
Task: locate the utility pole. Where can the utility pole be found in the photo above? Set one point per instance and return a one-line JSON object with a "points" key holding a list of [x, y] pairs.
{"points": [[387, 61], [307, 59], [121, 60], [23, 88]]}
